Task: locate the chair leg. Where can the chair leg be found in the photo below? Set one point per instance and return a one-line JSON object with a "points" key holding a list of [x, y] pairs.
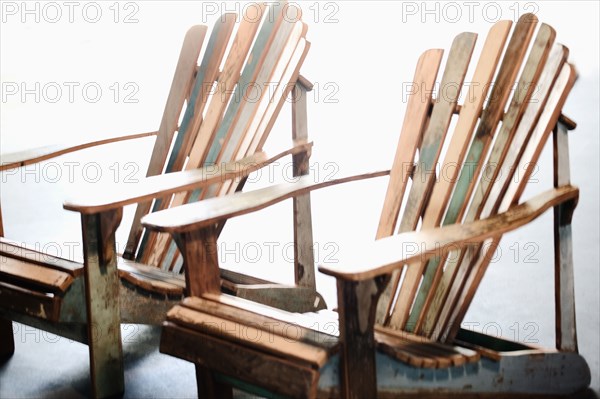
{"points": [[209, 387], [102, 301], [7, 339]]}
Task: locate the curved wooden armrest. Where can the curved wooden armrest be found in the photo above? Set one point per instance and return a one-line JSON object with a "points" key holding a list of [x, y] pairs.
{"points": [[205, 213], [387, 254], [165, 184], [34, 155]]}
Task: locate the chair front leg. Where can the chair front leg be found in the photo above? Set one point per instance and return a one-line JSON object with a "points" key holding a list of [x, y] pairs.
{"points": [[7, 339], [357, 306], [102, 301]]}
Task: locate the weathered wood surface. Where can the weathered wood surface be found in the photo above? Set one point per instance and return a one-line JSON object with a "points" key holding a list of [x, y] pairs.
{"points": [[478, 150], [192, 216], [564, 279], [39, 154], [506, 150], [459, 140], [180, 87], [382, 257], [162, 185], [103, 313]]}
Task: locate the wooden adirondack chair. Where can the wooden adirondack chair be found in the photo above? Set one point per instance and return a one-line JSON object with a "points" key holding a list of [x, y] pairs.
{"points": [[413, 344], [226, 116]]}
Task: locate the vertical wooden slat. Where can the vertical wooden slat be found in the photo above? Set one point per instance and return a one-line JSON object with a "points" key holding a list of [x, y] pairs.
{"points": [[182, 80], [304, 262], [205, 76], [564, 279], [527, 83], [228, 80], [442, 188], [433, 138], [414, 120], [357, 304], [535, 108], [103, 311], [548, 119], [490, 118]]}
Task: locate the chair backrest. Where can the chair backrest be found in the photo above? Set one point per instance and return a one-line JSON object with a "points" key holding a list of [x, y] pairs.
{"points": [[486, 147], [227, 106]]}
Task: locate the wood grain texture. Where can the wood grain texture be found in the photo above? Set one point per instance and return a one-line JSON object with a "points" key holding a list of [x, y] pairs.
{"points": [[180, 87], [546, 122], [103, 313], [212, 122], [385, 255], [161, 185], [478, 150], [564, 280], [276, 374], [29, 275], [410, 137], [524, 106], [200, 214], [459, 140], [39, 154], [431, 144]]}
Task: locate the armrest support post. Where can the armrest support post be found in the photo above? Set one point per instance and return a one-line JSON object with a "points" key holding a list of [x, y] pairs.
{"points": [[200, 260], [102, 301], [357, 305], [566, 332], [304, 270]]}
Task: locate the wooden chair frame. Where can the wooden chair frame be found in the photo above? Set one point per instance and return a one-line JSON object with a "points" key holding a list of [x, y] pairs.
{"points": [[352, 365]]}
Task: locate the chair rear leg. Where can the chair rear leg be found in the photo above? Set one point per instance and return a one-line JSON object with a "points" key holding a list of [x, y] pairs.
{"points": [[209, 387], [7, 339]]}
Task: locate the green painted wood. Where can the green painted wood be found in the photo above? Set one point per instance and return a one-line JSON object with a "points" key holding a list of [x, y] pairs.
{"points": [[530, 120], [182, 80], [218, 38], [554, 99], [101, 293], [490, 118], [274, 27], [526, 84], [431, 146]]}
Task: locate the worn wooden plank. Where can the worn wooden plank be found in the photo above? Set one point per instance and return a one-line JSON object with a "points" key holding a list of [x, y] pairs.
{"points": [[39, 154], [40, 305], [182, 80], [386, 254], [357, 306], [460, 139], [503, 86], [212, 210], [264, 338], [160, 185], [34, 276], [278, 375], [20, 251], [103, 313], [228, 79], [410, 137], [519, 110], [546, 122], [192, 118], [282, 323], [429, 150], [566, 332], [304, 261], [245, 103], [199, 251]]}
